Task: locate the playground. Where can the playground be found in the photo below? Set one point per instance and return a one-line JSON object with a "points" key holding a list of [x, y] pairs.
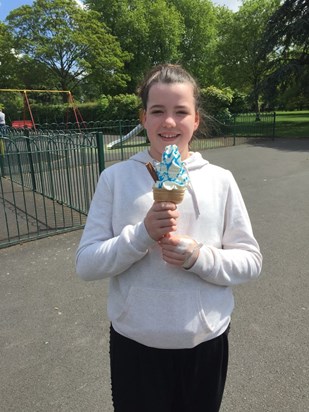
{"points": [[54, 329], [27, 121]]}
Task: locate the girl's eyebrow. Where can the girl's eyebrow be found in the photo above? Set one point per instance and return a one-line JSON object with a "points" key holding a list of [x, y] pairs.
{"points": [[156, 106], [160, 106]]}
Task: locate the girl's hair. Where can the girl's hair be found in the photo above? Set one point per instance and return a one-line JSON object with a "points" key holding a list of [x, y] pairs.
{"points": [[167, 73]]}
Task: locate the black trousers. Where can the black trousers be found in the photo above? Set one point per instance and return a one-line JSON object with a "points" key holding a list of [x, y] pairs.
{"points": [[147, 379]]}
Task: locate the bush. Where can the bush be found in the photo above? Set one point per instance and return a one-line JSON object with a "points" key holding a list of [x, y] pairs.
{"points": [[122, 106], [239, 103], [224, 116], [216, 100], [55, 113]]}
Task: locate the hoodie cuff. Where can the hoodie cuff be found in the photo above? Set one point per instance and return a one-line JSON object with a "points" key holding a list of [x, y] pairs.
{"points": [[204, 264], [141, 239]]}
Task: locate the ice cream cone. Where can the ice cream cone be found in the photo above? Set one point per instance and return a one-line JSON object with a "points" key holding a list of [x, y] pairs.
{"points": [[164, 195]]}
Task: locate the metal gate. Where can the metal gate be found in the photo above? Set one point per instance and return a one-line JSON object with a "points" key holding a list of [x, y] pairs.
{"points": [[46, 184]]}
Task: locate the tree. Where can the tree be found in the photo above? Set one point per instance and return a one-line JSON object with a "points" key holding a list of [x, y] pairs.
{"points": [[286, 46], [8, 72], [69, 41], [149, 30], [198, 39], [288, 29], [8, 59], [216, 100], [240, 40]]}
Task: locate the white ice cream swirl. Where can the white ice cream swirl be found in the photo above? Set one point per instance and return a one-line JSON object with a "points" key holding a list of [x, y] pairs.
{"points": [[171, 171]]}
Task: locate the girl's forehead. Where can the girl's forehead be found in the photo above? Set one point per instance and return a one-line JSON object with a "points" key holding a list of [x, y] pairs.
{"points": [[176, 90]]}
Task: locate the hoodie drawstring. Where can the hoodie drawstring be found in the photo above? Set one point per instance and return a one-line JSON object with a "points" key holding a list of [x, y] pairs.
{"points": [[194, 198]]}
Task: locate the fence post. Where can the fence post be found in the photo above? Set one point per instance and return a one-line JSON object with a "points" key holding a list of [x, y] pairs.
{"points": [[30, 160], [67, 161], [2, 152], [100, 150], [274, 126], [234, 129], [121, 139]]}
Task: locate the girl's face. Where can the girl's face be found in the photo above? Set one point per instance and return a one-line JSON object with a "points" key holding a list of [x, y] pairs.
{"points": [[170, 118]]}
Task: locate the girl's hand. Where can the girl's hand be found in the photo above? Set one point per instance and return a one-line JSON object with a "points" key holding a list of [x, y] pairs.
{"points": [[161, 219], [179, 250]]}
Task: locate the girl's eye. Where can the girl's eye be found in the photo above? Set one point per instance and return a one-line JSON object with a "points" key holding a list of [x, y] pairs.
{"points": [[157, 111], [182, 112]]}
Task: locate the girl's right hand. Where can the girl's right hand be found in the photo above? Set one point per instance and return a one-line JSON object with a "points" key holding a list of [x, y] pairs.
{"points": [[161, 219]]}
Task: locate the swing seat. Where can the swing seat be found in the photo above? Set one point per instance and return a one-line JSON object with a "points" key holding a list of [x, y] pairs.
{"points": [[20, 124]]}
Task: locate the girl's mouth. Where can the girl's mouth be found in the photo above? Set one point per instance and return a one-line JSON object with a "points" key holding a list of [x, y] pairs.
{"points": [[168, 136]]}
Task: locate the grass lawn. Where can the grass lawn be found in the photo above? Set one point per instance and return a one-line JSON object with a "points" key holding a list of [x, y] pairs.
{"points": [[292, 124]]}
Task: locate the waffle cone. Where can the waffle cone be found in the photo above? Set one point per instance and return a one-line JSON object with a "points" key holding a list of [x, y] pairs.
{"points": [[164, 195]]}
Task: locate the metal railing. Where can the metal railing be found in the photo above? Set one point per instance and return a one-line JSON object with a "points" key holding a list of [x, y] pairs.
{"points": [[48, 177], [46, 185]]}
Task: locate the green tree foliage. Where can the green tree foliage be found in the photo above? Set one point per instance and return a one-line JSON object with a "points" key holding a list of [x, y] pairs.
{"points": [[287, 31], [259, 54], [8, 59], [122, 106], [286, 45], [240, 37], [33, 74], [68, 41], [149, 30], [198, 39], [216, 100], [8, 71]]}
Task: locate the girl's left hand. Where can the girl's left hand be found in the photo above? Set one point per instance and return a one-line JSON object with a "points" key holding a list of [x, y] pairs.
{"points": [[179, 250]]}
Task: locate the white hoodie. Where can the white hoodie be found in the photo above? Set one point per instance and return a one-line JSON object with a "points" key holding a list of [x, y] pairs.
{"points": [[151, 301]]}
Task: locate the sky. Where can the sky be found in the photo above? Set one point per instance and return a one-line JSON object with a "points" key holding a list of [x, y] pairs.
{"points": [[231, 4], [8, 5]]}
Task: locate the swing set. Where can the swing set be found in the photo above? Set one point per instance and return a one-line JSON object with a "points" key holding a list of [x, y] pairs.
{"points": [[30, 123]]}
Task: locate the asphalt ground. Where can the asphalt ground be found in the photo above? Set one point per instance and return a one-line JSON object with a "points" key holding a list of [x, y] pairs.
{"points": [[54, 330]]}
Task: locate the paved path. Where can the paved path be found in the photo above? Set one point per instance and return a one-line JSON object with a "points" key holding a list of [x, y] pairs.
{"points": [[54, 330]]}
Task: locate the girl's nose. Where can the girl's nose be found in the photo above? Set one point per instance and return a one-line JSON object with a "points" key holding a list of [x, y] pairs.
{"points": [[169, 121]]}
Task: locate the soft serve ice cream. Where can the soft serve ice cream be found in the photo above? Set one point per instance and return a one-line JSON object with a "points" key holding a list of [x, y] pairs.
{"points": [[172, 177], [171, 172]]}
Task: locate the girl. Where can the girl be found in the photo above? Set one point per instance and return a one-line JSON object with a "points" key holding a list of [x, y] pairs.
{"points": [[171, 268]]}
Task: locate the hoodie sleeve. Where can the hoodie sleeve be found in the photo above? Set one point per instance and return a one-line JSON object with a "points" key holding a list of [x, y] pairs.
{"points": [[239, 259], [101, 254]]}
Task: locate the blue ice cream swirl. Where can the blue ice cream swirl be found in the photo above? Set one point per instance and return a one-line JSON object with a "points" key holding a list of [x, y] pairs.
{"points": [[171, 172]]}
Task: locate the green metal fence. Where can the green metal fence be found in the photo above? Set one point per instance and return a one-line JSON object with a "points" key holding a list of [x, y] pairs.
{"points": [[48, 176], [46, 185]]}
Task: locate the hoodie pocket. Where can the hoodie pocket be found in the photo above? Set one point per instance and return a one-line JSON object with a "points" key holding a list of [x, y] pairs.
{"points": [[167, 319]]}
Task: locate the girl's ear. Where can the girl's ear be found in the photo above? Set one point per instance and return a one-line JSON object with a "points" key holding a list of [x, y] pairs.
{"points": [[197, 120], [142, 115]]}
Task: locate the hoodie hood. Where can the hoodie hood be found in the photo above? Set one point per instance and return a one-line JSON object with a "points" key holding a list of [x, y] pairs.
{"points": [[194, 162]]}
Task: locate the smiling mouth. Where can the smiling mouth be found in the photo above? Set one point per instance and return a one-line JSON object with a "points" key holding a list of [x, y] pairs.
{"points": [[169, 135]]}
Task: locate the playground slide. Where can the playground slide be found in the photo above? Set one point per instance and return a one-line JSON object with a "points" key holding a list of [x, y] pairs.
{"points": [[128, 136]]}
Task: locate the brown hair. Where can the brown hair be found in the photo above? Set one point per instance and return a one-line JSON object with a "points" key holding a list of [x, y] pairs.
{"points": [[167, 73]]}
